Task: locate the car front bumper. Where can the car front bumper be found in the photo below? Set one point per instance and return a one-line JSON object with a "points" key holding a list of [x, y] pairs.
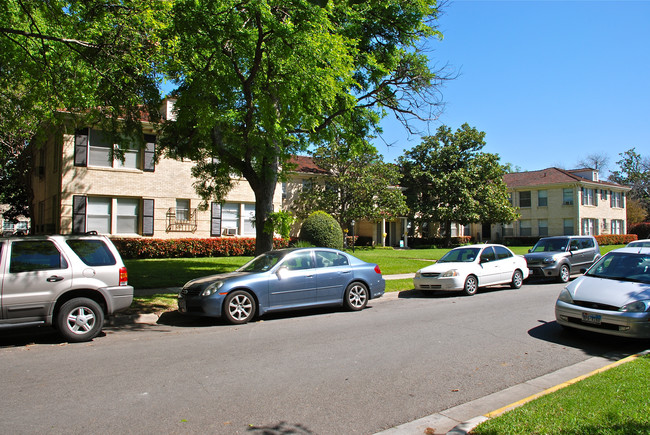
{"points": [[452, 283], [633, 325]]}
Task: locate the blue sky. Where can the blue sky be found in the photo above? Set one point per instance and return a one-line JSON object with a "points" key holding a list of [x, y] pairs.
{"points": [[548, 81]]}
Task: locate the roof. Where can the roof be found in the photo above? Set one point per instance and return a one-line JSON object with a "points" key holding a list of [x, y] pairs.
{"points": [[551, 176], [306, 164]]}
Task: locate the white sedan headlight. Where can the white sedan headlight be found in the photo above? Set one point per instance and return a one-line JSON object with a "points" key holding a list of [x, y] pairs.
{"points": [[636, 307], [565, 296], [418, 274], [212, 288], [449, 273]]}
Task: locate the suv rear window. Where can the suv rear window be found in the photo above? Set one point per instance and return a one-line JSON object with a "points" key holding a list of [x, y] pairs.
{"points": [[92, 252]]}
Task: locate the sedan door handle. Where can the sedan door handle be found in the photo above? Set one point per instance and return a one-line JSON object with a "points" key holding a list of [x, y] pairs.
{"points": [[346, 271], [55, 278]]}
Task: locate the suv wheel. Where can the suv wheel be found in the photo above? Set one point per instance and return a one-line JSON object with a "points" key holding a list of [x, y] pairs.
{"points": [[80, 319], [564, 274]]}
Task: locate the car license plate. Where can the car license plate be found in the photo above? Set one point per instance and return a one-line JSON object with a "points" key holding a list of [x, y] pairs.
{"points": [[593, 319]]}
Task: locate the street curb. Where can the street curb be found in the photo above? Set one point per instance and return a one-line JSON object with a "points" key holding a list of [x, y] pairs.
{"points": [[458, 419]]}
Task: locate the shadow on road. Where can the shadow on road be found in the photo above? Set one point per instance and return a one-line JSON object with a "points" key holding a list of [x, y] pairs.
{"points": [[280, 429], [591, 343]]}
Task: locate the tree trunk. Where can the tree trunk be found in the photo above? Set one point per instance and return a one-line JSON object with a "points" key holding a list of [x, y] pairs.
{"points": [[447, 230]]}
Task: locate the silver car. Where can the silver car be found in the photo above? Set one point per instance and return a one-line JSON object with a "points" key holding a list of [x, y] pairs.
{"points": [[612, 297], [285, 279]]}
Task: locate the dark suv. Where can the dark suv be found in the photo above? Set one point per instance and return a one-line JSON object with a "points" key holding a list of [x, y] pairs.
{"points": [[71, 282], [559, 257]]}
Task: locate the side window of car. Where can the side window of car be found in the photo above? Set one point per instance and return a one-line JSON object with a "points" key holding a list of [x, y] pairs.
{"points": [[330, 259], [502, 252], [586, 243], [92, 252], [574, 246], [302, 260], [34, 255], [487, 255]]}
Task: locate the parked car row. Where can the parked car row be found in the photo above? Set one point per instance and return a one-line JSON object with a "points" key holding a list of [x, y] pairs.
{"points": [[73, 282]]}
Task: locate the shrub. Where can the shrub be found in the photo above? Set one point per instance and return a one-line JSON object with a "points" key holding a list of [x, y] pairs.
{"points": [[321, 229], [132, 248], [615, 239], [433, 242], [642, 230]]}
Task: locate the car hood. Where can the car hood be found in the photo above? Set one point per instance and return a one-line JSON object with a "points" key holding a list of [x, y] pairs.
{"points": [[608, 291], [541, 255], [212, 278]]}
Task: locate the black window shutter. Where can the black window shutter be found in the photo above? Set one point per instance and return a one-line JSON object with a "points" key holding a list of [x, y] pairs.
{"points": [[147, 217], [78, 214], [81, 147], [149, 153], [215, 220]]}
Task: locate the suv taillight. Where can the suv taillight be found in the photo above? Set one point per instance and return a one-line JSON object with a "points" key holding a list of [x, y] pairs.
{"points": [[124, 277]]}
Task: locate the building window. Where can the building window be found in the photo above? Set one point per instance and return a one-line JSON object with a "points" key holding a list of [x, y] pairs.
{"points": [[306, 185], [617, 226], [510, 200], [182, 210], [568, 227], [102, 152], [127, 215], [589, 227], [567, 196], [249, 219], [230, 218], [542, 227], [588, 197], [525, 228], [616, 200], [542, 198], [524, 199], [99, 215], [603, 194]]}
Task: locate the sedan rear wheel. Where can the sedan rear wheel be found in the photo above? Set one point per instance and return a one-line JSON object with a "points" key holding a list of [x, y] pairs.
{"points": [[356, 296], [471, 285], [239, 307], [517, 279]]}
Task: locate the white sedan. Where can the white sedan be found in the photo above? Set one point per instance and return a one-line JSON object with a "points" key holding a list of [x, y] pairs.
{"points": [[469, 267]]}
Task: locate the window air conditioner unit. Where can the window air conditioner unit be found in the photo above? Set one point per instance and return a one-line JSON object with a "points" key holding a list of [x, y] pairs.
{"points": [[231, 231]]}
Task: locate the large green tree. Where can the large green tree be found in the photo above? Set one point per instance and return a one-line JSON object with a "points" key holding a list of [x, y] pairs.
{"points": [[357, 185], [259, 81], [634, 171], [448, 178], [96, 58]]}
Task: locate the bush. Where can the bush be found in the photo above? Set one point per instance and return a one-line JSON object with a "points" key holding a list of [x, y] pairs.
{"points": [[183, 248], [615, 239], [642, 230], [433, 242], [321, 229]]}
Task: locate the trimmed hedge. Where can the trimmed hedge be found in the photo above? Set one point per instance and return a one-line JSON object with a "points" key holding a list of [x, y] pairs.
{"points": [[425, 243], [616, 239], [180, 248], [642, 230]]}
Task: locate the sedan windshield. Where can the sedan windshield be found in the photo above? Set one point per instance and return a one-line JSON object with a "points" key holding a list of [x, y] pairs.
{"points": [[623, 266], [550, 245], [262, 263], [460, 255]]}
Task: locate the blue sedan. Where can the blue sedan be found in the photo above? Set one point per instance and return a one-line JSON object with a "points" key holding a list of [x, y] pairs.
{"points": [[281, 280]]}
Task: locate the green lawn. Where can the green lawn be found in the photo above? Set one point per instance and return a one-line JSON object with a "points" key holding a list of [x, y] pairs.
{"points": [[612, 402]]}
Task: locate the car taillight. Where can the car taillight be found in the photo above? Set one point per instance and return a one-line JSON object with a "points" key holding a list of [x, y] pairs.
{"points": [[124, 277], [377, 269]]}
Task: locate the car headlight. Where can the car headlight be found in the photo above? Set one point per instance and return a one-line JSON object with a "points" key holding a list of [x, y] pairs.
{"points": [[565, 296], [549, 260], [451, 272], [212, 288], [418, 274], [636, 307]]}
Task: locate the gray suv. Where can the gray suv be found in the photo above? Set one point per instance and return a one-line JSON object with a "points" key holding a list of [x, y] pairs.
{"points": [[70, 282], [559, 257]]}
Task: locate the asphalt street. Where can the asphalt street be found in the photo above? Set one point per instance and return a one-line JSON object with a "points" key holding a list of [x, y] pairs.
{"points": [[327, 371]]}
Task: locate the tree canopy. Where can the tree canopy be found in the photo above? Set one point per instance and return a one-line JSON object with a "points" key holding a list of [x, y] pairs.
{"points": [[261, 81], [357, 185], [634, 171], [449, 179]]}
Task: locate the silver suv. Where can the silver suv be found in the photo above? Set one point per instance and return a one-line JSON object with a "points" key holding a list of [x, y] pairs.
{"points": [[561, 256], [71, 282]]}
